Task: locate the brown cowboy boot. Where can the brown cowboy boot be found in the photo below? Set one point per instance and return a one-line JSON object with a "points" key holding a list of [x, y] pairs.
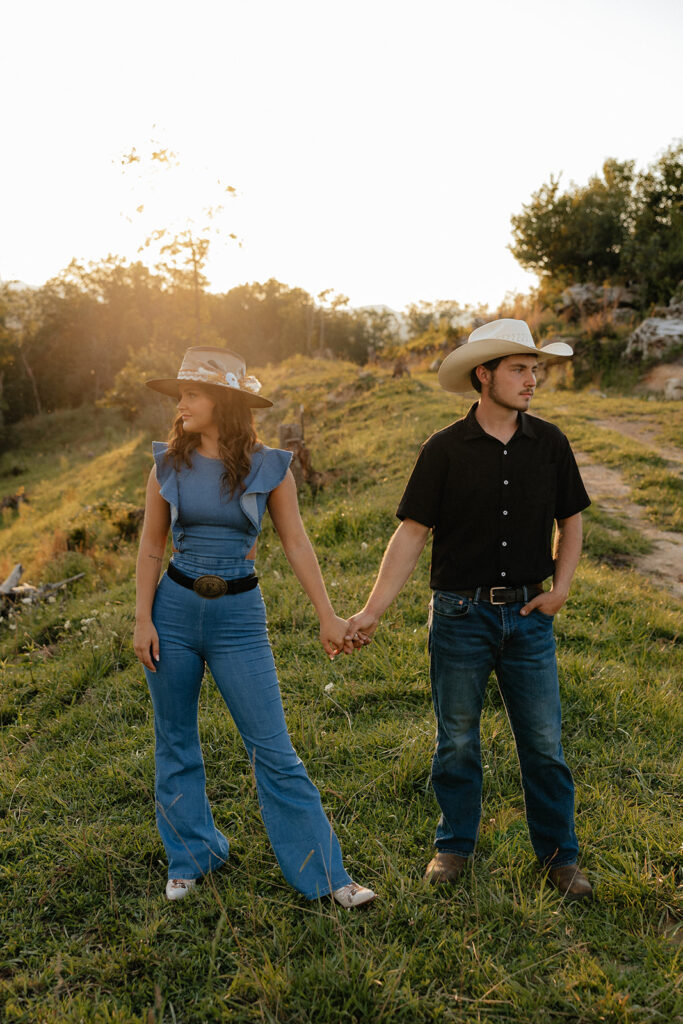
{"points": [[571, 882], [445, 867]]}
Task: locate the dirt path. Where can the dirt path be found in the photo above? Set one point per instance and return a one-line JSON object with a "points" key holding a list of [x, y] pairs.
{"points": [[647, 435], [607, 488]]}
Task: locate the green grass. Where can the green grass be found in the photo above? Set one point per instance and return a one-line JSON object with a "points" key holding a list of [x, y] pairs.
{"points": [[655, 485], [607, 538], [85, 933]]}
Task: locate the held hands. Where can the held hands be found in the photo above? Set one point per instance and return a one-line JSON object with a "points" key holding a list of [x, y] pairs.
{"points": [[332, 636], [360, 629], [339, 636]]}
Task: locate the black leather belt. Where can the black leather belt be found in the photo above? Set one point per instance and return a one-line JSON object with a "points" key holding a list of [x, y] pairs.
{"points": [[503, 595], [211, 586]]}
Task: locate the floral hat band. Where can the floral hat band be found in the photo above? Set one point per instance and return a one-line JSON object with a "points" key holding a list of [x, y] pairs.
{"points": [[208, 375], [216, 366]]}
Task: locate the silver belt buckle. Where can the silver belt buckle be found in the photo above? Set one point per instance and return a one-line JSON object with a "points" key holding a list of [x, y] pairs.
{"points": [[491, 597], [210, 587]]}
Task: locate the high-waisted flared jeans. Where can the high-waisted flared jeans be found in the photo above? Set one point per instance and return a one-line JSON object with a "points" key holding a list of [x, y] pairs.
{"points": [[229, 635]]}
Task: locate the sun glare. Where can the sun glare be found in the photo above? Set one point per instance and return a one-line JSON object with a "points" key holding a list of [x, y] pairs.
{"points": [[378, 149]]}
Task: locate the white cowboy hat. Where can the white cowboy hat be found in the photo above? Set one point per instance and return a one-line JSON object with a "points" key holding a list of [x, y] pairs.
{"points": [[217, 366], [492, 341]]}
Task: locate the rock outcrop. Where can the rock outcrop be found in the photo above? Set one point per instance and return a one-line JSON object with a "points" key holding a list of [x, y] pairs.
{"points": [[673, 389], [580, 300], [659, 335]]}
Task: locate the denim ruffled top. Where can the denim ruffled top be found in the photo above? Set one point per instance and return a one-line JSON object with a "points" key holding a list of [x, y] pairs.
{"points": [[212, 530]]}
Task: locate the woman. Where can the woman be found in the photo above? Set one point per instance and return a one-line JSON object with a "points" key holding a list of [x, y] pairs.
{"points": [[211, 485]]}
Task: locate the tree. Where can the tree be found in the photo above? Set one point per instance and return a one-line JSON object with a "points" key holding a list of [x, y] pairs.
{"points": [[183, 244], [6, 344], [94, 316], [423, 316], [264, 322], [622, 227], [655, 248], [22, 320], [330, 304], [577, 235], [382, 326], [65, 343]]}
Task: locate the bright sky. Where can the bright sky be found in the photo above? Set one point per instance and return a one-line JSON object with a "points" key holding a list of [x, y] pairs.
{"points": [[378, 147]]}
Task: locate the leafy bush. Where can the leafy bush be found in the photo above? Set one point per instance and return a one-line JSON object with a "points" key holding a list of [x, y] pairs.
{"points": [[622, 227]]}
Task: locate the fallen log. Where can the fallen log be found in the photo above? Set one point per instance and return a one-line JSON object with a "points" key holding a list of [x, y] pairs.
{"points": [[12, 579], [25, 593]]}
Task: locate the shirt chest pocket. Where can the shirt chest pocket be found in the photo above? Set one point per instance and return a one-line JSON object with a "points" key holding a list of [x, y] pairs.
{"points": [[471, 486]]}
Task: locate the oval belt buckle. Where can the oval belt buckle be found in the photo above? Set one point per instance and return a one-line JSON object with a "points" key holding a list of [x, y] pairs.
{"points": [[210, 586]]}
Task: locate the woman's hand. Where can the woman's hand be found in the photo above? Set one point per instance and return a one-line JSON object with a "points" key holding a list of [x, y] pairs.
{"points": [[332, 633], [146, 644]]}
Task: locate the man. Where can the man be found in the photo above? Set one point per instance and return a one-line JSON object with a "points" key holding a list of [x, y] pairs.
{"points": [[490, 487]]}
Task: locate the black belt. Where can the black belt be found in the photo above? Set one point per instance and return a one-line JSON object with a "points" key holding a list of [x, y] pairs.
{"points": [[211, 586], [502, 595]]}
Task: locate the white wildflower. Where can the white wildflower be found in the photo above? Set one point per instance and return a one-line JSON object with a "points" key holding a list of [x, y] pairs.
{"points": [[329, 688]]}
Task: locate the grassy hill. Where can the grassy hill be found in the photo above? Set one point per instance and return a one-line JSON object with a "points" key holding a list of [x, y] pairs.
{"points": [[85, 932]]}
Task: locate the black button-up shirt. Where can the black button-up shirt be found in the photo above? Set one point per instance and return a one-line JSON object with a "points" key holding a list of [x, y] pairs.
{"points": [[492, 506]]}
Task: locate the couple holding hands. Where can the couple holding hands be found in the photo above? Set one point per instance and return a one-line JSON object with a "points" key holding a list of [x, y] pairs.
{"points": [[490, 488]]}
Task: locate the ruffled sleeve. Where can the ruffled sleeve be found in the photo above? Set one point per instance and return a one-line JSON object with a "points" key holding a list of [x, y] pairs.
{"points": [[269, 468], [167, 478]]}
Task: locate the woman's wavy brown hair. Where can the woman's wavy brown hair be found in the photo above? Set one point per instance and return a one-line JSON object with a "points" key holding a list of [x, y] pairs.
{"points": [[236, 437]]}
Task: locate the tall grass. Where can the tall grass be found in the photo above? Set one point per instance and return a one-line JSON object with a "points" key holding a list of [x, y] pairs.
{"points": [[86, 934]]}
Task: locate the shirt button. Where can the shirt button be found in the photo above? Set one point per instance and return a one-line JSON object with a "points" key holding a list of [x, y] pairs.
{"points": [[505, 451], [506, 482], [502, 574], [505, 543], [505, 511]]}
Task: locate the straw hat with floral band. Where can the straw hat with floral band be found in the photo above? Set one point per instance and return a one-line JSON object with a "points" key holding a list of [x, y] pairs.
{"points": [[216, 366], [493, 341]]}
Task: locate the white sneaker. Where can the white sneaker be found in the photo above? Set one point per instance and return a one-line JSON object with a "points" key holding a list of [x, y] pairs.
{"points": [[353, 895], [177, 888]]}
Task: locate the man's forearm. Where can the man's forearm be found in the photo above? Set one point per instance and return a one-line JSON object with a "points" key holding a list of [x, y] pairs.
{"points": [[400, 558], [568, 541], [566, 552]]}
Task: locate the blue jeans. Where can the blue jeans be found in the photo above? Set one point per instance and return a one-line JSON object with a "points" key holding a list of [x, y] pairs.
{"points": [[468, 639], [229, 635]]}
